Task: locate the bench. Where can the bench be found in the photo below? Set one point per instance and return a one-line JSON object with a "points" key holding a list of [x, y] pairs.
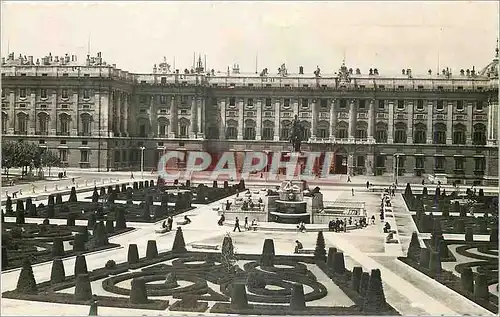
{"points": [[205, 246], [305, 251]]}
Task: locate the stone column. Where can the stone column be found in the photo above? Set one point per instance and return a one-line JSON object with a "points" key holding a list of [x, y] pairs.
{"points": [[295, 107], [468, 123], [173, 117], [352, 120], [390, 127], [203, 120], [369, 163], [118, 110], [277, 120], [371, 121], [409, 127], [314, 119], [333, 119], [100, 97], [222, 126], [75, 117], [12, 114], [30, 128], [193, 127], [429, 122], [126, 105], [259, 120], [153, 115], [241, 126], [200, 117], [449, 124]]}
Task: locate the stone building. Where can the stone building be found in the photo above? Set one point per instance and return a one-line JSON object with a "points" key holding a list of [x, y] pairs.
{"points": [[95, 115]]}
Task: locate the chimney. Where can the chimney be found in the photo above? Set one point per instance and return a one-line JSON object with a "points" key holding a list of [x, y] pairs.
{"points": [[375, 71], [301, 70], [99, 54], [30, 60], [402, 71]]}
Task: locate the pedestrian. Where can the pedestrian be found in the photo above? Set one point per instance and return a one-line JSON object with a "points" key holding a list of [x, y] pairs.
{"points": [[352, 191], [237, 225], [298, 246], [367, 184], [373, 219], [131, 175], [221, 220], [348, 178], [93, 306], [245, 225]]}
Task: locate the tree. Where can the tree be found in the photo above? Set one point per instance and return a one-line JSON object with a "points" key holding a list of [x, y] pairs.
{"points": [[320, 251], [227, 254], [27, 155]]}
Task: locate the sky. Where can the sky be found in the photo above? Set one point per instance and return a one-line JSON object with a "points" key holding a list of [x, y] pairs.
{"points": [[388, 36]]}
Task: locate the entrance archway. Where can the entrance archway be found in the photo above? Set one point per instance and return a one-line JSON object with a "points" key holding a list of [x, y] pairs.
{"points": [[340, 162]]}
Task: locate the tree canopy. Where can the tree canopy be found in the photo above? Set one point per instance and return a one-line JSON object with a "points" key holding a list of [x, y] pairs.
{"points": [[22, 154]]}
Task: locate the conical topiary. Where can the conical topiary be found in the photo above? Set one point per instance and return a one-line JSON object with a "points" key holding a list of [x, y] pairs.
{"points": [[26, 284], [357, 271], [375, 297], [424, 257], [20, 216], [179, 245], [83, 288], [414, 247], [459, 225], [5, 258], [138, 292], [120, 219], [298, 299], [20, 205], [363, 285], [467, 280], [72, 195], [29, 203], [133, 254], [70, 220], [79, 243], [494, 235], [95, 195], [32, 211], [57, 247], [59, 200], [151, 250], [320, 251], [80, 265], [239, 298], [339, 263], [51, 212], [268, 253], [469, 234], [435, 263], [8, 206], [92, 220], [57, 273], [110, 228], [331, 255], [481, 286]]}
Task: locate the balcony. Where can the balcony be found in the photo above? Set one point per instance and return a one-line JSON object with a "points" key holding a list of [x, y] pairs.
{"points": [[439, 170], [459, 171], [42, 133], [21, 132], [84, 134], [66, 133], [478, 173]]}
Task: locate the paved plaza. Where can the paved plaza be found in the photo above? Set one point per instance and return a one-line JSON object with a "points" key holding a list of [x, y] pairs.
{"points": [[407, 290]]}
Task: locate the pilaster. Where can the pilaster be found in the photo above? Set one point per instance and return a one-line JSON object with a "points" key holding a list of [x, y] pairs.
{"points": [[429, 135], [390, 126], [241, 127], [314, 119], [222, 123], [371, 120], [352, 119], [259, 120], [333, 119], [449, 124], [409, 123], [277, 120]]}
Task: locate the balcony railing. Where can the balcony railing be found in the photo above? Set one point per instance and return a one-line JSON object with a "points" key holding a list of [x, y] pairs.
{"points": [[62, 133], [21, 132], [84, 133], [478, 173], [42, 133], [459, 171]]}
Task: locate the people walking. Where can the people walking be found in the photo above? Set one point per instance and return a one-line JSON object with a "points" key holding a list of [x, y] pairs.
{"points": [[237, 225]]}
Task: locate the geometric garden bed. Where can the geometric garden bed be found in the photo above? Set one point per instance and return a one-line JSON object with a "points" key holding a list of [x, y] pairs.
{"points": [[189, 281]]}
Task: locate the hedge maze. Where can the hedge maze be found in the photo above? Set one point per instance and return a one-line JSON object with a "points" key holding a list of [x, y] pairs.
{"points": [[237, 283]]}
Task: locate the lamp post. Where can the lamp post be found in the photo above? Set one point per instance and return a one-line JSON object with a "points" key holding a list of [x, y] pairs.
{"points": [[397, 169], [142, 161]]}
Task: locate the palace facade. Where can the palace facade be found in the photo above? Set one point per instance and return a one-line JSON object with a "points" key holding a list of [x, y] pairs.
{"points": [[98, 116]]}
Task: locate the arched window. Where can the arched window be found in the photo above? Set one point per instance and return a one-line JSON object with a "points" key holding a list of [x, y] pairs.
{"points": [[459, 136], [163, 127], [479, 135], [43, 124], [249, 132], [341, 132], [361, 128], [5, 122], [400, 133], [184, 128], [285, 130], [143, 124], [323, 129], [86, 125], [22, 123], [232, 130], [381, 132], [306, 131], [268, 130], [64, 124], [420, 134], [212, 132], [439, 133]]}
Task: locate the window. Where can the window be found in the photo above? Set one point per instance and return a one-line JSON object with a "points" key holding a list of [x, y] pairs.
{"points": [[439, 163], [479, 164], [64, 93], [324, 104], [86, 94], [142, 130], [459, 163], [285, 131], [342, 133], [163, 99], [440, 105], [64, 122], [43, 124], [479, 106], [162, 129], [400, 133], [381, 104], [41, 142], [164, 80], [360, 161], [362, 104], [267, 132], [84, 156], [380, 161], [420, 105], [420, 134], [361, 134], [22, 92], [420, 162], [460, 105], [459, 134], [401, 104], [343, 104], [85, 142], [439, 134], [286, 103], [64, 106], [183, 133], [143, 98], [250, 103], [231, 133], [420, 87], [63, 142], [479, 135], [43, 93], [322, 133], [381, 136], [5, 122], [22, 123], [232, 102], [63, 155], [249, 133], [305, 103], [268, 102]]}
